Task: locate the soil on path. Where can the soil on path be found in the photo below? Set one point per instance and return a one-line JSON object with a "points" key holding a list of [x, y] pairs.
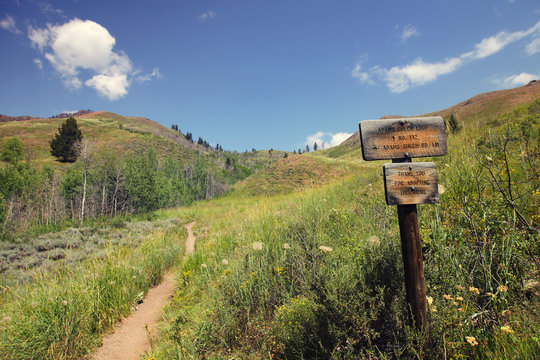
{"points": [[130, 337]]}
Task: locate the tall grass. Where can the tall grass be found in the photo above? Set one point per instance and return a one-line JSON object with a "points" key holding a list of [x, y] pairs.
{"points": [[63, 314], [319, 275]]}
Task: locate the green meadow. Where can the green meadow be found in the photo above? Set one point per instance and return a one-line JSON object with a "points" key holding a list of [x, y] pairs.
{"points": [[302, 260]]}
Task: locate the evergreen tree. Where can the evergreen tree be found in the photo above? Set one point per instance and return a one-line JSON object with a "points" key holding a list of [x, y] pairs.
{"points": [[315, 147], [307, 148], [64, 144], [200, 141]]}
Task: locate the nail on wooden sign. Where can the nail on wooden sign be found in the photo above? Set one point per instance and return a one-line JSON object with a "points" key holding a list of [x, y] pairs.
{"points": [[402, 138], [411, 183]]}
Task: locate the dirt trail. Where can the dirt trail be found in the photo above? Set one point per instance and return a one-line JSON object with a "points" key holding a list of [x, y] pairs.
{"points": [[130, 337]]}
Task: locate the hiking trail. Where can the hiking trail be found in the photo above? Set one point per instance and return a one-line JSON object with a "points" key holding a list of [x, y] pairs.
{"points": [[130, 339]]}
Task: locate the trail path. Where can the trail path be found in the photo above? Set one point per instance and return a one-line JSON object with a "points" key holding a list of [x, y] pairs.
{"points": [[130, 338]]}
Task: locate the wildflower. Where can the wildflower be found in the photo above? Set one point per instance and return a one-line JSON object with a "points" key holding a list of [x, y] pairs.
{"points": [[460, 309], [225, 262], [474, 290], [257, 245], [6, 319], [441, 189], [373, 240], [204, 266], [134, 277], [493, 296], [286, 246], [64, 302], [455, 303], [460, 287], [489, 158], [459, 298], [471, 340], [325, 248], [429, 300], [227, 272], [447, 297], [502, 288], [507, 329]]}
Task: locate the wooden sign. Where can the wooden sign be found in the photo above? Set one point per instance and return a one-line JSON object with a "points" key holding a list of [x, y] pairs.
{"points": [[411, 183], [403, 138]]}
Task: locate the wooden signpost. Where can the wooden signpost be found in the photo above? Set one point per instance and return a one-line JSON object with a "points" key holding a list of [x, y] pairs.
{"points": [[407, 184]]}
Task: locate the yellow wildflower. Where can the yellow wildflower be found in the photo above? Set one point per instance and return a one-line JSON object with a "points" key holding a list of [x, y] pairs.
{"points": [[471, 340], [474, 290], [325, 248], [507, 329]]}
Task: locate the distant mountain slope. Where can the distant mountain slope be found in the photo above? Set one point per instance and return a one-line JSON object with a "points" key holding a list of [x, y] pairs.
{"points": [[479, 109], [324, 166], [472, 113]]}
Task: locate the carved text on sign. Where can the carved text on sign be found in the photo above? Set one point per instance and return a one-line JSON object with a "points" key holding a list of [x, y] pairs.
{"points": [[411, 183], [402, 138]]}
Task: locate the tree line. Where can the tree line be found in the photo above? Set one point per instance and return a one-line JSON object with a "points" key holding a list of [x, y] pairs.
{"points": [[98, 183]]}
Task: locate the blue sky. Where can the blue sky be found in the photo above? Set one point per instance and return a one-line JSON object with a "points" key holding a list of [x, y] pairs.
{"points": [[263, 74]]}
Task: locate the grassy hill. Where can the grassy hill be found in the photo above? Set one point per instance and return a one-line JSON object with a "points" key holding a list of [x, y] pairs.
{"points": [[303, 260], [473, 114]]}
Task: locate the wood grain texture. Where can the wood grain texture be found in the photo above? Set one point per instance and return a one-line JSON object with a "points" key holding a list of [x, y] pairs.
{"points": [[411, 183], [403, 138]]}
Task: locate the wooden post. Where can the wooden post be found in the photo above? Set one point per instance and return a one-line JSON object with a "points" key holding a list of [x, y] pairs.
{"points": [[401, 140], [413, 264]]}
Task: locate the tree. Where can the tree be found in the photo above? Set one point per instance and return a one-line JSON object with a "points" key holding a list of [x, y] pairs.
{"points": [[64, 146], [315, 147], [12, 151], [307, 148], [454, 125]]}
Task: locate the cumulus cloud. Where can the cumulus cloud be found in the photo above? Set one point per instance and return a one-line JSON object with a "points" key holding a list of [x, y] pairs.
{"points": [[516, 80], [8, 24], [401, 78], [326, 139], [209, 15], [85, 46], [407, 32]]}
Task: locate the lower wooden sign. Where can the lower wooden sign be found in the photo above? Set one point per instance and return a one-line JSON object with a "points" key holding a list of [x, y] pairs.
{"points": [[411, 183]]}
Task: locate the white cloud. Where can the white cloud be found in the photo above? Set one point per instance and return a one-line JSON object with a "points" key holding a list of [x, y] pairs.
{"points": [[38, 63], [209, 15], [516, 80], [400, 78], [85, 46], [147, 77], [112, 86], [362, 76], [326, 139], [533, 47], [408, 32], [8, 24]]}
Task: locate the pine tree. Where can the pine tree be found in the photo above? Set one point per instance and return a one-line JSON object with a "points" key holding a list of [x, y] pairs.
{"points": [[64, 145], [315, 147]]}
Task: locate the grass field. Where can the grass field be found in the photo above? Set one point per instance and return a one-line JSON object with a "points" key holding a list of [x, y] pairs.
{"points": [[303, 261]]}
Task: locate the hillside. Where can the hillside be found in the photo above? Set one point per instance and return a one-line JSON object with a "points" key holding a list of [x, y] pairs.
{"points": [[473, 113], [302, 260]]}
